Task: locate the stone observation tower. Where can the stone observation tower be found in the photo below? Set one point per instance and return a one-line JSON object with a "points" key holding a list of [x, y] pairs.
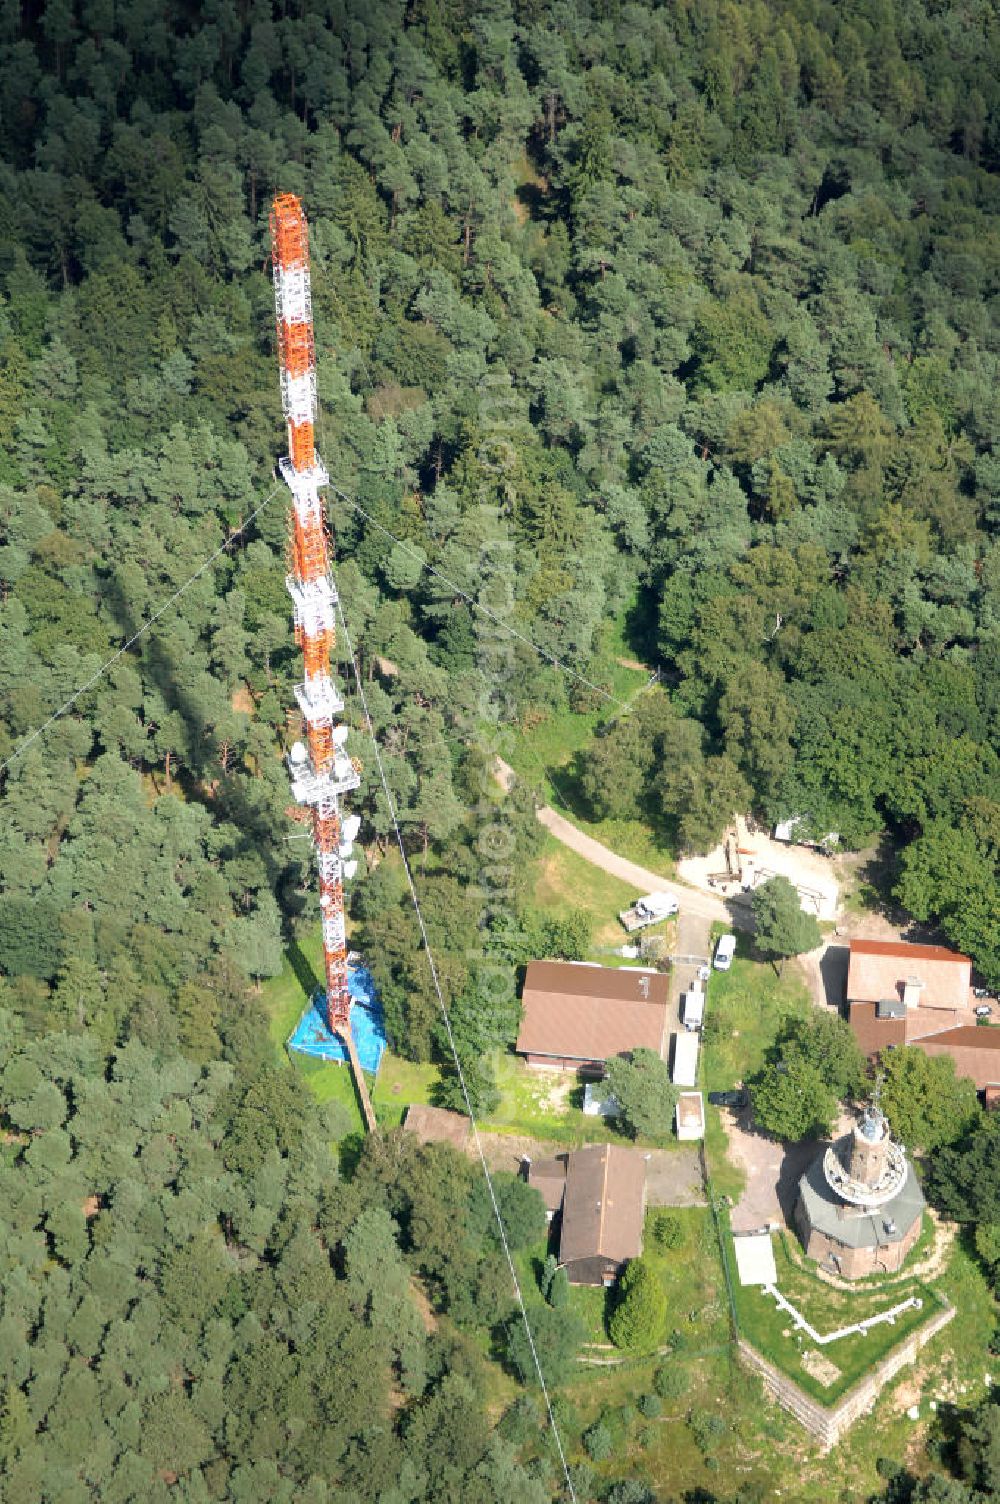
{"points": [[859, 1207]]}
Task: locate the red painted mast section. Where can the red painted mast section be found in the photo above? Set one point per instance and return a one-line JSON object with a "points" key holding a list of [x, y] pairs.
{"points": [[321, 769]]}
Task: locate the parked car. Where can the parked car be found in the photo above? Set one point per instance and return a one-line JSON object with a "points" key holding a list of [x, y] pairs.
{"points": [[736, 1099], [649, 910], [984, 1011], [724, 952]]}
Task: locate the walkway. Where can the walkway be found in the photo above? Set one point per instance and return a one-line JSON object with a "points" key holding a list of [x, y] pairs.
{"points": [[800, 1323], [359, 1080]]}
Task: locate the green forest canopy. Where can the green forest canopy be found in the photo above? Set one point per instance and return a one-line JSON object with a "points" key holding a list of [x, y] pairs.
{"points": [[724, 277]]}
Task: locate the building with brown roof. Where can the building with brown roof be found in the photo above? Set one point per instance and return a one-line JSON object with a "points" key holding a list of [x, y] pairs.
{"points": [[548, 1178], [896, 993], [436, 1125], [975, 1051], [600, 1191], [576, 1017], [910, 976], [919, 995]]}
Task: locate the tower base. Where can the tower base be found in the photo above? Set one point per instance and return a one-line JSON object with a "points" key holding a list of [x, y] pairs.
{"points": [[312, 1037]]}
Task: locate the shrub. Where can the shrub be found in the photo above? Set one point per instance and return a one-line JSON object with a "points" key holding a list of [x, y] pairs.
{"points": [[521, 1420], [639, 1316], [582, 1475], [708, 1430], [669, 1381], [559, 1289], [597, 1441], [651, 1406], [668, 1231]]}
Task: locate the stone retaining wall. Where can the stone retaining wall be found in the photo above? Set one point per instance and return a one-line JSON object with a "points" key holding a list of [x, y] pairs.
{"points": [[828, 1424]]}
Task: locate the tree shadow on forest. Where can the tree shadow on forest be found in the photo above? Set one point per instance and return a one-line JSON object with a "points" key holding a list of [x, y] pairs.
{"points": [[226, 799]]}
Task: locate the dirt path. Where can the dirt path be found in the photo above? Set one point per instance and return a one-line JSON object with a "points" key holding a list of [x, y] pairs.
{"points": [[640, 878]]}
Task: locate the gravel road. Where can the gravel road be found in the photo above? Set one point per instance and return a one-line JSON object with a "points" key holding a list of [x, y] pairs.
{"points": [[641, 878]]}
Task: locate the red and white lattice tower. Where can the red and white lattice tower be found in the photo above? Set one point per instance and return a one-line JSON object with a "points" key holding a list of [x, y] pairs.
{"points": [[321, 770]]}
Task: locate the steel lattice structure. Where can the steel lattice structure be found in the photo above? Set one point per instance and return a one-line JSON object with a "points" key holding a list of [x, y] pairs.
{"points": [[321, 770]]}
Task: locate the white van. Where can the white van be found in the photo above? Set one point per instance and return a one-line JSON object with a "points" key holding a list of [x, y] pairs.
{"points": [[692, 1008], [724, 952]]}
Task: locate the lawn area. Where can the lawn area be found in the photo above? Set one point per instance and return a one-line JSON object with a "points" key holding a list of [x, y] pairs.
{"points": [[399, 1083], [565, 881], [545, 1105], [727, 1179], [697, 1310], [286, 994], [827, 1309], [746, 1008]]}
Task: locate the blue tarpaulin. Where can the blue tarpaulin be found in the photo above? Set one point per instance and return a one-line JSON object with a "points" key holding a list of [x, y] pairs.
{"points": [[312, 1037]]}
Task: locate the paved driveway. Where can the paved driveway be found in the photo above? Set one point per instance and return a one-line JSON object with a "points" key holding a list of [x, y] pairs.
{"points": [[693, 932], [773, 1171], [673, 1176], [641, 878]]}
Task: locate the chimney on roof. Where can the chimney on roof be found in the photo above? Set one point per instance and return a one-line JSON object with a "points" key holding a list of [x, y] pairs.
{"points": [[912, 989]]}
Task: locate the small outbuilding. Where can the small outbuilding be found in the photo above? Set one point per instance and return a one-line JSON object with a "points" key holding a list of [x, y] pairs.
{"points": [[548, 1178], [755, 1259], [689, 1116], [599, 1102]]}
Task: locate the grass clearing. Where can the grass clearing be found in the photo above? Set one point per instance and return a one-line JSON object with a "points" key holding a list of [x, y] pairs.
{"points": [[566, 881], [399, 1083], [556, 736], [286, 995], [543, 754], [546, 1104], [747, 1006], [697, 1313]]}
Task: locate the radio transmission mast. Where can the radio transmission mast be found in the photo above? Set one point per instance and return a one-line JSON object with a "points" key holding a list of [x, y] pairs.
{"points": [[321, 770]]}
